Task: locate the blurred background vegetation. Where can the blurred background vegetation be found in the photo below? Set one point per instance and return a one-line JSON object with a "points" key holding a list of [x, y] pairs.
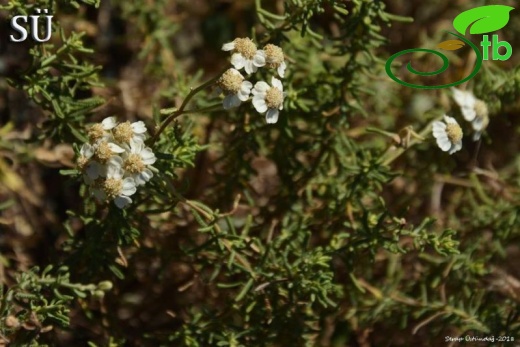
{"points": [[326, 229]]}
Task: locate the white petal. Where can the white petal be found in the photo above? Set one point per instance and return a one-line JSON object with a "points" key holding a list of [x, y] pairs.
{"points": [[87, 150], [259, 58], [115, 148], [138, 127], [115, 161], [122, 201], [228, 46], [128, 186], [277, 83], [109, 123], [260, 105], [478, 123], [281, 69], [148, 156], [136, 144], [463, 98], [271, 116], [444, 144], [442, 137], [243, 93], [93, 170], [450, 120], [440, 134], [238, 61], [456, 147], [231, 101], [468, 113], [114, 172], [138, 180], [260, 87], [477, 135], [146, 175], [439, 126], [250, 67], [242, 96], [246, 86]]}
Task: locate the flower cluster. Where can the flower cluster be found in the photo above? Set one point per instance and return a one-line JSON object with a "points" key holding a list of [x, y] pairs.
{"points": [[473, 110], [116, 161], [449, 133], [267, 98]]}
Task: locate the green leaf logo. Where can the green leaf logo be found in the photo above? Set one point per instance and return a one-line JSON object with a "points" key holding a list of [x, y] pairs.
{"points": [[485, 19]]}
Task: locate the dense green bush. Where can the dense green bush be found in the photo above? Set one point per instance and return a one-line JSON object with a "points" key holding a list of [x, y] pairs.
{"points": [[341, 224]]}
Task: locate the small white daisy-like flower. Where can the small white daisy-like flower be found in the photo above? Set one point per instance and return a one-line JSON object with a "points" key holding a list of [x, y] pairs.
{"points": [[473, 110], [481, 120], [125, 132], [466, 101], [245, 54], [137, 162], [448, 135], [91, 168], [104, 150], [269, 98], [115, 187], [275, 59], [109, 123], [236, 88], [99, 131]]}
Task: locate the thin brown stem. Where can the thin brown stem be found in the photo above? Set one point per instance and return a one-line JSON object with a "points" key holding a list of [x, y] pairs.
{"points": [[181, 111]]}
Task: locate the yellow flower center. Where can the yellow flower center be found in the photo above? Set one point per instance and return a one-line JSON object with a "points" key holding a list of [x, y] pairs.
{"points": [[103, 152], [481, 108], [123, 132], [454, 132], [246, 47], [112, 187], [95, 132], [273, 97], [274, 55], [134, 164], [82, 162], [230, 81]]}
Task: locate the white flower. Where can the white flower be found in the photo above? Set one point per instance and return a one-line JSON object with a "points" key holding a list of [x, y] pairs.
{"points": [[91, 168], [473, 110], [481, 120], [245, 54], [99, 131], [275, 59], [115, 187], [115, 160], [137, 161], [109, 123], [466, 101], [232, 83], [104, 150], [448, 134], [126, 132], [269, 98]]}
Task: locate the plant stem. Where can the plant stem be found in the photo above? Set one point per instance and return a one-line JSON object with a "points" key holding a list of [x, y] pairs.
{"points": [[391, 156], [181, 111], [205, 109]]}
